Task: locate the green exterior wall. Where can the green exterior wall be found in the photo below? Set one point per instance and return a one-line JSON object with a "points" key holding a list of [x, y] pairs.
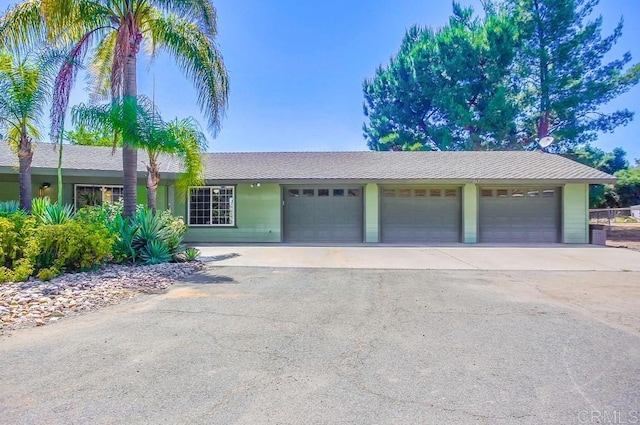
{"points": [[10, 188], [371, 213], [469, 213], [258, 217], [575, 213], [258, 210], [9, 191]]}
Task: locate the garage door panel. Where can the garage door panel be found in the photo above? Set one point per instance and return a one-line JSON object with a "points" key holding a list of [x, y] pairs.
{"points": [[323, 214], [420, 215], [530, 215]]}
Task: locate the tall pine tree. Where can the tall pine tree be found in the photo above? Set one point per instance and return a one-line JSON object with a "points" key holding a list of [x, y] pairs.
{"points": [[447, 89], [561, 75]]}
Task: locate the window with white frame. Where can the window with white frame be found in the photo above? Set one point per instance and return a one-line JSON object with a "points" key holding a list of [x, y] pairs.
{"points": [[96, 194], [211, 206]]}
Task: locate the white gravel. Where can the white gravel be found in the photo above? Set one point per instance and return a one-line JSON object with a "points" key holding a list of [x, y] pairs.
{"points": [[36, 303]]}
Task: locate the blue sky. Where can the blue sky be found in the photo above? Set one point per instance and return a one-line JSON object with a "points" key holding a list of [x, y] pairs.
{"points": [[297, 68]]}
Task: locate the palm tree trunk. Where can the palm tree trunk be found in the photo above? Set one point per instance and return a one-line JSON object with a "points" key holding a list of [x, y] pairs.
{"points": [[153, 179], [129, 152], [25, 156]]}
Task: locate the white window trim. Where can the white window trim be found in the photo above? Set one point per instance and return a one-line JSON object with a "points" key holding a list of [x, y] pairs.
{"points": [[100, 186], [211, 188]]}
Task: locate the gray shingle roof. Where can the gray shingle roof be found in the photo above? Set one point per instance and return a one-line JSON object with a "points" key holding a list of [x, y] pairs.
{"points": [[82, 158], [363, 166], [367, 165]]}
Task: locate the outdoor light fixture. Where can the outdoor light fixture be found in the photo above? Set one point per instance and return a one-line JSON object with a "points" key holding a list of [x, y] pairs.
{"points": [[255, 184], [43, 186]]}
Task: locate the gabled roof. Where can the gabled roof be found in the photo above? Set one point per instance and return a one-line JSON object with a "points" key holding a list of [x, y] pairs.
{"points": [[351, 166]]}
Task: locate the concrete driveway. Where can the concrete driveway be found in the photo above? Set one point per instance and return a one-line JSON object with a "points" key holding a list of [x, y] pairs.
{"points": [[243, 345], [549, 257]]}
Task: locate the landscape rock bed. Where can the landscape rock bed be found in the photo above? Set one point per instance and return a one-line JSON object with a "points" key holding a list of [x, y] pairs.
{"points": [[36, 303]]}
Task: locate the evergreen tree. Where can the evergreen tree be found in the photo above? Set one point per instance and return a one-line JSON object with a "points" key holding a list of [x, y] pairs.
{"points": [[561, 74], [446, 89]]}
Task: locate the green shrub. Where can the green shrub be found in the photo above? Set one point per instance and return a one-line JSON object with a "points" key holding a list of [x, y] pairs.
{"points": [[15, 231], [71, 246], [92, 215], [48, 273], [23, 268]]}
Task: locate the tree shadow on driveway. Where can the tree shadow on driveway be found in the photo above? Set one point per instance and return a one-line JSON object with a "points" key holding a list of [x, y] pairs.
{"points": [[220, 257], [206, 278]]}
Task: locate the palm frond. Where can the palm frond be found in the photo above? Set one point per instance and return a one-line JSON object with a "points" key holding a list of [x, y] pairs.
{"points": [[24, 90], [200, 59], [64, 83], [202, 11], [190, 146], [100, 68], [22, 27], [69, 21]]}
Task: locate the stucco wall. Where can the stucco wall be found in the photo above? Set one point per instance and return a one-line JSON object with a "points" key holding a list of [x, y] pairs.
{"points": [[9, 188], [575, 213], [470, 213], [258, 217], [372, 213]]}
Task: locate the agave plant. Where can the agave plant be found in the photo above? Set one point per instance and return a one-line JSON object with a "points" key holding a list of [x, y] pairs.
{"points": [[191, 254], [125, 234], [38, 205], [57, 214], [49, 213], [9, 207], [155, 252]]}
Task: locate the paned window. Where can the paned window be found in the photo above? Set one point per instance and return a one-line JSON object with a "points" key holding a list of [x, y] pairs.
{"points": [[96, 195], [212, 206]]}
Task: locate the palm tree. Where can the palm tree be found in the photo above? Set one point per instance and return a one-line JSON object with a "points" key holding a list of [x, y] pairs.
{"points": [[114, 31], [24, 88], [180, 137]]}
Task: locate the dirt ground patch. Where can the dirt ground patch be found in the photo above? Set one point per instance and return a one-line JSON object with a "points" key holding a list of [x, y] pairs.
{"points": [[624, 235]]}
